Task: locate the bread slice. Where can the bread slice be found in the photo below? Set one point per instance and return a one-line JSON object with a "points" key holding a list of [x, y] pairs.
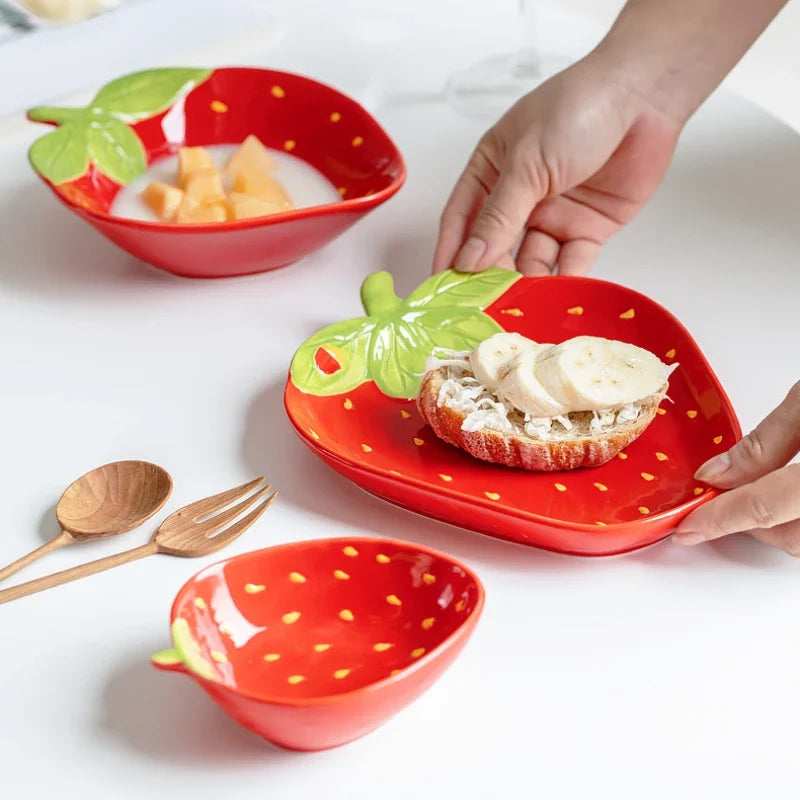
{"points": [[580, 447]]}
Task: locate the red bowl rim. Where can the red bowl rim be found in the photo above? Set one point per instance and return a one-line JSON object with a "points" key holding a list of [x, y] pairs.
{"points": [[463, 629], [362, 203], [605, 530]]}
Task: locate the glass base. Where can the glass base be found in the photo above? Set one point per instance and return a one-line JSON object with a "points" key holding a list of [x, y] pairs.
{"points": [[489, 88]]}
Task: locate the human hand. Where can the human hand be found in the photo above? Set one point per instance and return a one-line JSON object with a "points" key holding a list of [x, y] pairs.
{"points": [[764, 500], [562, 171]]}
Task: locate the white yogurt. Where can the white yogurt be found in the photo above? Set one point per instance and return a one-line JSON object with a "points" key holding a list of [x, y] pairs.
{"points": [[305, 185]]}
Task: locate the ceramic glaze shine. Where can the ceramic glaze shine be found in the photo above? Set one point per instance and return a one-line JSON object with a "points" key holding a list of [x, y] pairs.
{"points": [[305, 185]]}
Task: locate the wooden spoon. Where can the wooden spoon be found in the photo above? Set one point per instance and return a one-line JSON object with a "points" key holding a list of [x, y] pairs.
{"points": [[111, 499]]}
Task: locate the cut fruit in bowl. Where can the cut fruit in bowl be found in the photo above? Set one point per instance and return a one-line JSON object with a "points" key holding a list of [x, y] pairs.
{"points": [[336, 158], [316, 643]]}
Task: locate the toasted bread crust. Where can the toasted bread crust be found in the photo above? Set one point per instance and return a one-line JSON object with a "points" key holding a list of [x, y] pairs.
{"points": [[517, 449]]}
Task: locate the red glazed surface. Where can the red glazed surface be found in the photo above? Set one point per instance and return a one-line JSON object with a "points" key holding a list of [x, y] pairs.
{"points": [[382, 444], [412, 611], [314, 122]]}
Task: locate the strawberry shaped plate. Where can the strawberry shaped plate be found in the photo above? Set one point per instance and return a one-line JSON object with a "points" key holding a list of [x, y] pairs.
{"points": [[313, 644], [351, 389]]}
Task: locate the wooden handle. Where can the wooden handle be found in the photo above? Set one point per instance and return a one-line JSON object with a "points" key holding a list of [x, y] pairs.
{"points": [[67, 575], [59, 541]]}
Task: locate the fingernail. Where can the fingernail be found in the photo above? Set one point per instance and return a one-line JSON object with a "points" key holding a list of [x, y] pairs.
{"points": [[714, 467], [470, 254], [688, 538]]}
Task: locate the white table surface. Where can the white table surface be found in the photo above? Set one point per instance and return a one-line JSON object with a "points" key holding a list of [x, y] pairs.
{"points": [[668, 673]]}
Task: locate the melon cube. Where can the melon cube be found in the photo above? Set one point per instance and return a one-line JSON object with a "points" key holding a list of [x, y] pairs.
{"points": [[201, 212], [191, 160], [245, 206], [163, 199], [251, 156], [263, 186], [204, 186]]}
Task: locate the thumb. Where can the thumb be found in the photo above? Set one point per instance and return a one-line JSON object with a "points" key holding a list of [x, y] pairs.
{"points": [[771, 445], [502, 220]]}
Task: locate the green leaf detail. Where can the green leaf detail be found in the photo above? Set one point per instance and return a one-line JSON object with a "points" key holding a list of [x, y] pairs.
{"points": [[61, 155], [349, 343], [188, 650], [116, 150], [462, 289], [143, 94]]}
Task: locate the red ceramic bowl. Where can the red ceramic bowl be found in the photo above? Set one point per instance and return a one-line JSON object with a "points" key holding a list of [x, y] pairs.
{"points": [[140, 118], [349, 397], [316, 643]]}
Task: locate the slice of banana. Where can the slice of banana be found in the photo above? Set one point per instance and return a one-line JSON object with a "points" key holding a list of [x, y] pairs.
{"points": [[490, 358], [590, 373], [521, 386]]}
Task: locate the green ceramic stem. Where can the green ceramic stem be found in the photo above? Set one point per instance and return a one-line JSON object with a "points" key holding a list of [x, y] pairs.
{"points": [[55, 114], [377, 295]]}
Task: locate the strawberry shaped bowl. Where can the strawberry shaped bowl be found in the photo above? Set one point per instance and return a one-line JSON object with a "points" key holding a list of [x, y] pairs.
{"points": [[135, 122], [351, 398], [316, 643]]}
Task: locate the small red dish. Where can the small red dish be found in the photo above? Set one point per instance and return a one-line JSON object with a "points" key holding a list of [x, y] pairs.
{"points": [[313, 644], [349, 397], [139, 118]]}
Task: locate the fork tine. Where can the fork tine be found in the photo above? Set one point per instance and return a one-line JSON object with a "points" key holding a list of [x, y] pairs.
{"points": [[226, 536], [220, 520], [209, 504]]}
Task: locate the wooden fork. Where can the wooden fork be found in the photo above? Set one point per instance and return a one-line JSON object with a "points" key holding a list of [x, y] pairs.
{"points": [[194, 530]]}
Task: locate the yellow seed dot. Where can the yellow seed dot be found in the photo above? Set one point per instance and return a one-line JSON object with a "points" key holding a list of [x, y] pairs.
{"points": [[648, 476], [336, 116], [622, 456], [225, 629], [218, 106], [691, 413], [382, 559], [662, 456], [644, 510], [289, 144], [393, 600], [395, 473], [219, 657], [277, 91], [629, 314], [348, 404], [395, 672], [369, 193], [381, 647], [560, 487], [418, 442], [698, 490], [366, 448], [341, 673], [270, 657], [428, 578], [254, 588], [296, 577], [661, 411], [341, 575], [445, 478], [295, 679], [459, 606], [576, 311], [717, 439], [670, 353], [314, 434], [342, 191], [601, 524], [601, 487], [513, 312], [419, 651], [200, 603], [492, 495], [321, 647], [290, 617], [347, 615], [404, 414], [358, 141], [427, 623], [350, 551]]}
